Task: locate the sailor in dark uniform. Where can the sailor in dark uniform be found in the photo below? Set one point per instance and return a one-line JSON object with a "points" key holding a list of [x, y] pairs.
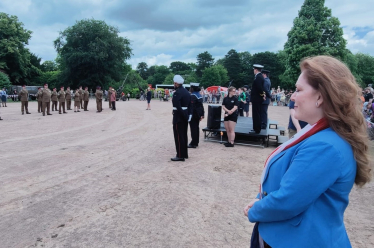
{"points": [[181, 115], [265, 104], [258, 95], [197, 110]]}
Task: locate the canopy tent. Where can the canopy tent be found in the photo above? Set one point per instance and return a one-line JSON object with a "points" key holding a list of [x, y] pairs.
{"points": [[215, 88]]}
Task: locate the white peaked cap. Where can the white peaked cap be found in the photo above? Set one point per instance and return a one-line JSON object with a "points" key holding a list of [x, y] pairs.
{"points": [[178, 79]]}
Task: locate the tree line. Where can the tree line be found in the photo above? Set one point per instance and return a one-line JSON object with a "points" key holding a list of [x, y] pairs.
{"points": [[92, 53]]}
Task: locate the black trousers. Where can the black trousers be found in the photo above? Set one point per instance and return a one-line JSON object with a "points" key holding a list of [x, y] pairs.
{"points": [[264, 115], [256, 116], [114, 105], [194, 126], [180, 139]]}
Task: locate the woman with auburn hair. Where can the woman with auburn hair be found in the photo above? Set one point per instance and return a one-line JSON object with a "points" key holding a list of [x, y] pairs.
{"points": [[306, 181]]}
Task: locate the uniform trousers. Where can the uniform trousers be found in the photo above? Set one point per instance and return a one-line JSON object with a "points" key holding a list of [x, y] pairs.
{"points": [[68, 104], [85, 105], [256, 116], [195, 131], [54, 105], [61, 104], [81, 103], [264, 115], [40, 103], [48, 106], [180, 139], [24, 105], [99, 105]]}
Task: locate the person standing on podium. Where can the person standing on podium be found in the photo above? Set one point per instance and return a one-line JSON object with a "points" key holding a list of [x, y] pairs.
{"points": [[258, 95], [181, 115]]}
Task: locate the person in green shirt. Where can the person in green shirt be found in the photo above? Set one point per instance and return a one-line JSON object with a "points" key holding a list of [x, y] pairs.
{"points": [[241, 99]]}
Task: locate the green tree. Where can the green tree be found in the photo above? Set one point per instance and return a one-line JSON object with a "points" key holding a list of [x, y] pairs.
{"points": [[271, 62], [49, 65], [246, 74], [215, 75], [233, 67], [177, 67], [91, 53], [365, 63], [14, 56], [169, 79], [142, 69], [204, 60], [157, 73], [4, 80], [314, 32]]}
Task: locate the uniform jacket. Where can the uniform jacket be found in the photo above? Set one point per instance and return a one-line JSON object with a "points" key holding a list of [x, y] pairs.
{"points": [[86, 95], [61, 96], [99, 95], [54, 96], [305, 193], [80, 91], [46, 95], [39, 95], [197, 106], [68, 95], [267, 86], [24, 94], [258, 91], [181, 99], [77, 97]]}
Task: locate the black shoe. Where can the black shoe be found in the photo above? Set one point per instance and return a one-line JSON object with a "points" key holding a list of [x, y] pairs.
{"points": [[78, 111], [65, 112], [177, 159], [75, 111], [59, 113], [229, 145], [85, 110], [28, 113], [23, 113], [49, 114], [1, 119], [43, 114], [191, 146]]}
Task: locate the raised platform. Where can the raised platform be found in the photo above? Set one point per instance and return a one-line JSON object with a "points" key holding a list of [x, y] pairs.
{"points": [[242, 136]]}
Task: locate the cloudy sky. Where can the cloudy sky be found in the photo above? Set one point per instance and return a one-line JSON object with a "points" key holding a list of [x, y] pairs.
{"points": [[163, 31]]}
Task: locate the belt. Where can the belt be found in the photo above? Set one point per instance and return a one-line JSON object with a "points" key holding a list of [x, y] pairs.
{"points": [[184, 108]]}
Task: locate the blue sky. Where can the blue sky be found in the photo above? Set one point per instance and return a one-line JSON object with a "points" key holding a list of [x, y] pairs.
{"points": [[164, 31]]}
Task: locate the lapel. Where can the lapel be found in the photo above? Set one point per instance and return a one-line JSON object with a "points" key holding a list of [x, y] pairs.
{"points": [[278, 156]]}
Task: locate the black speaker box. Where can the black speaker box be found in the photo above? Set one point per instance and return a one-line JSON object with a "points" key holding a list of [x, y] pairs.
{"points": [[214, 116]]}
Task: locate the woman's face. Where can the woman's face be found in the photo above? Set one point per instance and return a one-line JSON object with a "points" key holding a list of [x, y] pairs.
{"points": [[305, 98]]}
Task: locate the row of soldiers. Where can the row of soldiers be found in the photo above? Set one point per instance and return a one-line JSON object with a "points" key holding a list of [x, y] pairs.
{"points": [[45, 96]]}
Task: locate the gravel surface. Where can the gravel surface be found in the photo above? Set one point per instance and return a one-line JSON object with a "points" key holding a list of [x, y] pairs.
{"points": [[106, 180]]}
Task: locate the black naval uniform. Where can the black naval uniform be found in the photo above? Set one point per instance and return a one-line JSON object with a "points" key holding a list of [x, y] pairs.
{"points": [[257, 94], [197, 111], [181, 111]]}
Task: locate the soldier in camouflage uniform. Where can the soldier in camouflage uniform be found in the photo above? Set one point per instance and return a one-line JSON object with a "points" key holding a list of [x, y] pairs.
{"points": [[68, 98], [54, 99], [40, 100], [24, 94], [99, 99], [46, 98], [61, 100]]}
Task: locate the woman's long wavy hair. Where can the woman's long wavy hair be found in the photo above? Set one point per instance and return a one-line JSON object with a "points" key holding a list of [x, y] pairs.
{"points": [[341, 106]]}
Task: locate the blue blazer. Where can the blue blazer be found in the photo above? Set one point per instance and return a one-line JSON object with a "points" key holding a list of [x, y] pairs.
{"points": [[305, 193]]}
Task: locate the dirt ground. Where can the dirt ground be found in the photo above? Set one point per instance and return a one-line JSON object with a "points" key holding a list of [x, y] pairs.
{"points": [[106, 180]]}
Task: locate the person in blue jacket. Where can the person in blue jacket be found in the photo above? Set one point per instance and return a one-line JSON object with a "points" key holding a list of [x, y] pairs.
{"points": [[306, 181]]}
